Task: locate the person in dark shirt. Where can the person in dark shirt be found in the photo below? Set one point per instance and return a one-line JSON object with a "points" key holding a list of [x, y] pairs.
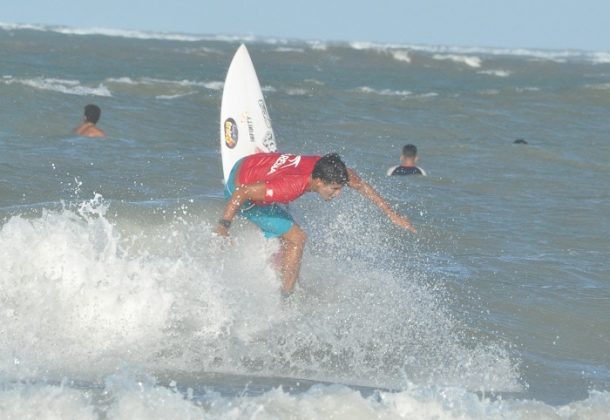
{"points": [[407, 166]]}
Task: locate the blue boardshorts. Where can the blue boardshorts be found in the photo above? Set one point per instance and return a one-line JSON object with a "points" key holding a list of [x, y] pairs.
{"points": [[273, 219]]}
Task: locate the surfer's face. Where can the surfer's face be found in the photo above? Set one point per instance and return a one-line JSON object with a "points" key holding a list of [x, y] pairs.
{"points": [[329, 191]]}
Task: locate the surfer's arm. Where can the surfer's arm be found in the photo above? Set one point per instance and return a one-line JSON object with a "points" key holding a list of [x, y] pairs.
{"points": [[369, 192], [242, 193]]}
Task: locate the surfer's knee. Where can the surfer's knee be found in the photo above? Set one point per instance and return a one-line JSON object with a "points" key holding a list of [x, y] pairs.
{"points": [[295, 236]]}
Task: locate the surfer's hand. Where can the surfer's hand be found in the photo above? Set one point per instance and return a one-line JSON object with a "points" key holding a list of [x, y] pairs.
{"points": [[222, 228], [221, 231], [403, 222]]}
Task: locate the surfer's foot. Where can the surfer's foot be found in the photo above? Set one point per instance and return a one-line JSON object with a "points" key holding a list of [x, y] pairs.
{"points": [[285, 295]]}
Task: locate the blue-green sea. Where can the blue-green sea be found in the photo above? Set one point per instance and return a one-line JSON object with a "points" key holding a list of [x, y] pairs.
{"points": [[118, 301]]}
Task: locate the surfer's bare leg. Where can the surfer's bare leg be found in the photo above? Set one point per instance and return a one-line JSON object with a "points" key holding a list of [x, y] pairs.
{"points": [[293, 244]]}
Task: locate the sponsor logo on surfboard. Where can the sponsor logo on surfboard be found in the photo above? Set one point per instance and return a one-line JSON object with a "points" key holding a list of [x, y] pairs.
{"points": [[269, 141], [230, 133], [261, 104], [250, 128]]}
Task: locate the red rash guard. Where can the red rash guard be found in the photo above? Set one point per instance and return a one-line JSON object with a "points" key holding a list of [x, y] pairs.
{"points": [[286, 177]]}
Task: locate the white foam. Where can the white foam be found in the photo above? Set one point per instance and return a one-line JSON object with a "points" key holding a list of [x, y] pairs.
{"points": [[390, 92], [595, 57], [94, 302], [136, 34], [214, 85], [470, 61], [314, 82], [497, 73], [17, 26], [289, 50], [560, 56], [384, 92], [318, 45], [45, 402], [527, 89], [122, 33], [70, 87], [175, 96], [401, 56], [150, 81], [359, 45], [598, 86], [296, 92], [601, 57], [135, 399], [94, 296]]}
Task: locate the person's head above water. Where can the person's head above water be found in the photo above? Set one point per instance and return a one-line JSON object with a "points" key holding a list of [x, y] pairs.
{"points": [[409, 151], [92, 113]]}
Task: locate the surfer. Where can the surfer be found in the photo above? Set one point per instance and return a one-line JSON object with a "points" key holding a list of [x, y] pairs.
{"points": [[258, 183], [408, 160], [88, 128]]}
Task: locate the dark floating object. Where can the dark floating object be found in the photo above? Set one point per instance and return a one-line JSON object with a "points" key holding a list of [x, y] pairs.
{"points": [[520, 141]]}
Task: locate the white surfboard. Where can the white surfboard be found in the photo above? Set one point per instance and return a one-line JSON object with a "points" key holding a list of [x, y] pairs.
{"points": [[245, 126]]}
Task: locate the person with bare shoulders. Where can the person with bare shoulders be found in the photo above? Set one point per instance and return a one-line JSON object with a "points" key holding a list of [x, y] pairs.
{"points": [[88, 128]]}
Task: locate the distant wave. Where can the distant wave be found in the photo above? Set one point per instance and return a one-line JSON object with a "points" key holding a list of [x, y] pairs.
{"points": [[296, 92], [359, 45], [470, 61], [213, 85], [317, 45], [176, 96], [527, 89], [384, 92], [497, 73], [126, 33], [288, 49], [268, 89], [601, 57], [71, 87], [75, 87], [397, 53], [598, 86], [314, 82], [390, 92], [490, 92], [401, 55], [595, 57]]}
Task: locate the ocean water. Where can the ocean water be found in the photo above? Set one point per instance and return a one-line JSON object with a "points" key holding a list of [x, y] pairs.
{"points": [[117, 301]]}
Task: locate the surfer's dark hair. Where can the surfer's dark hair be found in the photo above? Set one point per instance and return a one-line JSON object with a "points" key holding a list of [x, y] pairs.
{"points": [[330, 169], [92, 113], [409, 150]]}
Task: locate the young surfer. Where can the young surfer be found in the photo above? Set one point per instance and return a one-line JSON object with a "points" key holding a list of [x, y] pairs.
{"points": [[259, 182]]}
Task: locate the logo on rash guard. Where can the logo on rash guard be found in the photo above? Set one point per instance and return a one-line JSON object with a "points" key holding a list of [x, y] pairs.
{"points": [[284, 161]]}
